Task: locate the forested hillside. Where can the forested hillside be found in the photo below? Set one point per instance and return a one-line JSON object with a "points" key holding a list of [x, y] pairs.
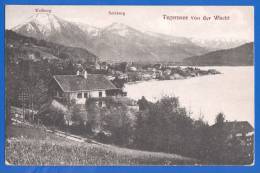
{"points": [[27, 48], [239, 56]]}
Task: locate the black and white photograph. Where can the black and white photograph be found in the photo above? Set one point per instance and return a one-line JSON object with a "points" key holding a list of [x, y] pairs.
{"points": [[100, 85]]}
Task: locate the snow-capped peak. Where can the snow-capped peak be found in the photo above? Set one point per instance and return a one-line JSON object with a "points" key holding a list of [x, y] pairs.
{"points": [[169, 38], [44, 23], [91, 30], [218, 43], [47, 22], [119, 28]]}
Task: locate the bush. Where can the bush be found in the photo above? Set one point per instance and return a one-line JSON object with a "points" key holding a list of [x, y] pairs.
{"points": [[114, 119], [54, 118]]}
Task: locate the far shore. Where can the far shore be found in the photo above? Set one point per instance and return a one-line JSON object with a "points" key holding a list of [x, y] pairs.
{"points": [[153, 80]]}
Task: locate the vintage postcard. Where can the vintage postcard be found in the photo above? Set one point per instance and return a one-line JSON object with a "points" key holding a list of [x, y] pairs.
{"points": [[129, 85]]}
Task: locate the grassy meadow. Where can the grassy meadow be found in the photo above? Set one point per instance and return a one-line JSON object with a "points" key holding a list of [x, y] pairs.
{"points": [[33, 146]]}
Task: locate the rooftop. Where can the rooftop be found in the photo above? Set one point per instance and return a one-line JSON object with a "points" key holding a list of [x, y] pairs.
{"points": [[74, 83], [237, 127]]}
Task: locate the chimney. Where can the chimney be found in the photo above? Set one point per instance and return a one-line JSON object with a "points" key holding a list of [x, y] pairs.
{"points": [[82, 73]]}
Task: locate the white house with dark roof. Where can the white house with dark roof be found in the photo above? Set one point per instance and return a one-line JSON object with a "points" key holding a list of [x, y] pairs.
{"points": [[81, 86]]}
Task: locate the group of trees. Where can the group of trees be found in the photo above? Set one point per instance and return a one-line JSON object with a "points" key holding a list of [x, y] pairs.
{"points": [[163, 126], [111, 123], [112, 119], [31, 63], [224, 149], [167, 127], [21, 46], [35, 76]]}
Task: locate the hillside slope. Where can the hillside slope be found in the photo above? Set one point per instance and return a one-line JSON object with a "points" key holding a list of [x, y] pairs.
{"points": [[44, 148], [19, 46], [239, 56]]}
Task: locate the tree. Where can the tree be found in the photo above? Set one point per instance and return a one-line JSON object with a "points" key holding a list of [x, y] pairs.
{"points": [[115, 119], [119, 83], [76, 114], [143, 103], [69, 68], [58, 118], [93, 113], [122, 67], [54, 117], [8, 118], [37, 55], [217, 140], [220, 119], [141, 131], [39, 93], [63, 56]]}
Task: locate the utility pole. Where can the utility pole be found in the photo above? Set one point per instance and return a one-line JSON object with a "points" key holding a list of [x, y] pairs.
{"points": [[23, 97], [23, 105], [31, 98]]}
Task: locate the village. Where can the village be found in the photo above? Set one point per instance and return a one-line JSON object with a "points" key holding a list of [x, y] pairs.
{"points": [[132, 72], [101, 81]]}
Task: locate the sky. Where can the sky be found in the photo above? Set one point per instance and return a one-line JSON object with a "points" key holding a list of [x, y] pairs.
{"points": [[240, 23]]}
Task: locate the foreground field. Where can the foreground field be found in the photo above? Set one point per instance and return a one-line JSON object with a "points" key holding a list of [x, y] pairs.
{"points": [[32, 146]]}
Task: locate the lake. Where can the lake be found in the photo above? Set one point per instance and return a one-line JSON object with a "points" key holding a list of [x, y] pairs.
{"points": [[231, 92]]}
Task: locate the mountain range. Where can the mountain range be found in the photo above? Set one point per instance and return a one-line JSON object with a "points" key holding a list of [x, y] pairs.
{"points": [[118, 42], [218, 43]]}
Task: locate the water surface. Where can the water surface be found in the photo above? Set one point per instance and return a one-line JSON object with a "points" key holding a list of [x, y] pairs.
{"points": [[231, 93]]}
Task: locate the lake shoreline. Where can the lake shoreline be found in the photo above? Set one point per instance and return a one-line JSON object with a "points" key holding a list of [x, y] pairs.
{"points": [[158, 80]]}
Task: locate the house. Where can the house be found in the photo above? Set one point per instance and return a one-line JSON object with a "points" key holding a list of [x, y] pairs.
{"points": [[134, 76], [110, 77], [158, 66], [77, 88], [97, 65], [176, 76], [147, 76], [239, 129], [243, 132], [167, 72], [123, 77], [103, 66], [132, 68], [158, 74]]}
